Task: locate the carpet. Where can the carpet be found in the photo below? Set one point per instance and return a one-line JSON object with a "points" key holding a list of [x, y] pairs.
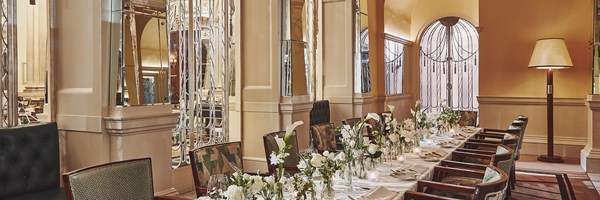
{"points": [[551, 185]]}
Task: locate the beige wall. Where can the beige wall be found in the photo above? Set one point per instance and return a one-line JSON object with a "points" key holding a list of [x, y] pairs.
{"points": [[427, 11], [508, 88]]}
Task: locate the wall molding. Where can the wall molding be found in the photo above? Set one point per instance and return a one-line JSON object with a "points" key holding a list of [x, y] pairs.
{"points": [[365, 100], [82, 123], [140, 125], [397, 97], [537, 101], [561, 140]]}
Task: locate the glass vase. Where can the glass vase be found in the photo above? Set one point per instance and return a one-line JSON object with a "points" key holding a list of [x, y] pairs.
{"points": [[348, 175], [327, 191]]}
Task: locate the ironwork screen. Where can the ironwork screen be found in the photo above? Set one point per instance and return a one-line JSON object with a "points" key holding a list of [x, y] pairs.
{"points": [[449, 70], [394, 66]]}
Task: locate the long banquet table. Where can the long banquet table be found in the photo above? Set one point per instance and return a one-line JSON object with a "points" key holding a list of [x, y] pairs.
{"points": [[363, 186]]}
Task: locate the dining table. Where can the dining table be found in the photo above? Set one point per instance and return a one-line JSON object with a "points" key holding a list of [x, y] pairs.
{"points": [[362, 187]]}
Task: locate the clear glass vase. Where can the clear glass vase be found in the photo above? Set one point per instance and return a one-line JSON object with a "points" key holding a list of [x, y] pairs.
{"points": [[348, 175], [327, 191]]}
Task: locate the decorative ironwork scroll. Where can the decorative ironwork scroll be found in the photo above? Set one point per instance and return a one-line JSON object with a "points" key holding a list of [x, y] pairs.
{"points": [[449, 64], [8, 62], [201, 47], [394, 66]]}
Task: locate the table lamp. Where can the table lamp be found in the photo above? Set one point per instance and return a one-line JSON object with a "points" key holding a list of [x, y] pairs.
{"points": [[550, 54]]}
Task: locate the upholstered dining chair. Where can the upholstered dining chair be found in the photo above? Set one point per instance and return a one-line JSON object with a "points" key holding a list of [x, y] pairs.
{"points": [[323, 137], [320, 114], [214, 159], [467, 118], [492, 185], [503, 158], [129, 179], [291, 161], [351, 121]]}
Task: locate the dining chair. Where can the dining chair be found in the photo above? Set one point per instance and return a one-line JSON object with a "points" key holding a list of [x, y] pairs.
{"points": [[503, 158], [351, 121], [291, 161], [492, 185], [467, 118], [129, 179], [323, 137], [214, 159]]}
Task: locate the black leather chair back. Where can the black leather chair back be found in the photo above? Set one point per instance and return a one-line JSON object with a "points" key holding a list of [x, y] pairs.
{"points": [[320, 113], [29, 159]]}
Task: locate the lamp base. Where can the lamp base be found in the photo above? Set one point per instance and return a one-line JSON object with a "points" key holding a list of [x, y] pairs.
{"points": [[550, 159]]}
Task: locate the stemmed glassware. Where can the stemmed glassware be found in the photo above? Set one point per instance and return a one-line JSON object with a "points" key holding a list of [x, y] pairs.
{"points": [[216, 186]]}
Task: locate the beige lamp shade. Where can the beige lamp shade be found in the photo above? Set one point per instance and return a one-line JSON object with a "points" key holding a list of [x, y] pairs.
{"points": [[550, 53]]}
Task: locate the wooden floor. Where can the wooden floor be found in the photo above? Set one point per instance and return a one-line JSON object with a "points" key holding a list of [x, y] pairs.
{"points": [[583, 184]]}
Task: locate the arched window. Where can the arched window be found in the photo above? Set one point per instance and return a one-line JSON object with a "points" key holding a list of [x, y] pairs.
{"points": [[449, 64]]}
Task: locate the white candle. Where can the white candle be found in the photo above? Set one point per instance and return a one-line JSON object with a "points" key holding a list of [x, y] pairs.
{"points": [[417, 150], [401, 158], [373, 175], [429, 141]]}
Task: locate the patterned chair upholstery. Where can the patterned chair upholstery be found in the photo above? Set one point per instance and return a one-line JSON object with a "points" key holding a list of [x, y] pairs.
{"points": [[29, 162], [212, 160], [467, 118], [320, 114], [503, 159], [291, 161], [323, 137]]}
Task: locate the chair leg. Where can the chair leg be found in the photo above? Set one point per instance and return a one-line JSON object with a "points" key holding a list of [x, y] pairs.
{"points": [[513, 178]]}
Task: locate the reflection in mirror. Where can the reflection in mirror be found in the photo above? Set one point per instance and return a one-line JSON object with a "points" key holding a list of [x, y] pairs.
{"points": [[362, 74], [596, 50], [139, 53], [201, 60]]}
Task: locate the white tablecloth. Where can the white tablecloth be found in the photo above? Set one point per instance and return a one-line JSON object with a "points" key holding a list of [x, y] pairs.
{"points": [[362, 186]]}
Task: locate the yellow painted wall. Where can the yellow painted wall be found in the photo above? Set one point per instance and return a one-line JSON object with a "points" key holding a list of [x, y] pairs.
{"points": [[509, 30], [507, 41], [427, 11]]}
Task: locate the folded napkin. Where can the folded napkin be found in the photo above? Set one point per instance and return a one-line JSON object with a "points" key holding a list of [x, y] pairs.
{"points": [[468, 129], [381, 193], [433, 153], [420, 169]]}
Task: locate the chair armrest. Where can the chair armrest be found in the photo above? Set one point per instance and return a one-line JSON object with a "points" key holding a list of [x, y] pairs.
{"points": [[457, 154], [489, 135], [456, 164], [478, 151], [486, 141], [457, 171], [445, 186], [410, 195], [170, 198], [479, 144], [493, 130]]}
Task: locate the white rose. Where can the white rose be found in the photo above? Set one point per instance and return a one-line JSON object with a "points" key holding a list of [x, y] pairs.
{"points": [[246, 176], [340, 156], [346, 131], [317, 160], [394, 137], [234, 193], [372, 149], [302, 165]]}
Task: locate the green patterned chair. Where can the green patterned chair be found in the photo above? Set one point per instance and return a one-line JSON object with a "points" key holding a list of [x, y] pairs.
{"points": [[290, 162], [467, 118], [492, 185], [323, 137], [129, 179], [214, 159]]}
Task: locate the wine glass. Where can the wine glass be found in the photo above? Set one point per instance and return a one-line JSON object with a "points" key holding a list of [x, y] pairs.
{"points": [[217, 184]]}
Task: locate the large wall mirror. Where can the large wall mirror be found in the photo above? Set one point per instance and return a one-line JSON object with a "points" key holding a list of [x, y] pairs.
{"points": [[362, 74], [140, 71], [26, 61]]}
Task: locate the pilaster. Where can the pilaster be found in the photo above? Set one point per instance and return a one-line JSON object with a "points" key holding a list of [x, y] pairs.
{"points": [[590, 155]]}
